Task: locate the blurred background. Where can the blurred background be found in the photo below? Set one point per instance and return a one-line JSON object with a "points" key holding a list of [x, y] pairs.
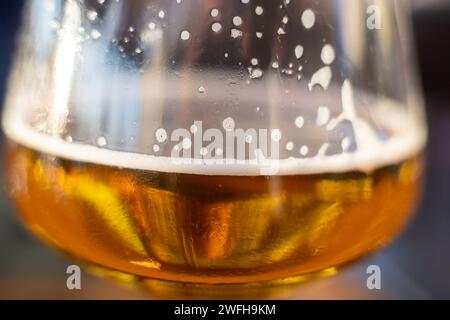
{"points": [[416, 266]]}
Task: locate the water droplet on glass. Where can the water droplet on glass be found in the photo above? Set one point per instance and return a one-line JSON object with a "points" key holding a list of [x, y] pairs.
{"points": [[304, 150], [276, 135], [299, 122], [299, 51], [308, 18], [235, 33], [214, 12], [328, 55], [259, 10], [161, 135], [256, 73], [290, 146], [216, 27], [228, 124], [91, 15], [185, 35], [237, 21], [101, 141], [95, 34]]}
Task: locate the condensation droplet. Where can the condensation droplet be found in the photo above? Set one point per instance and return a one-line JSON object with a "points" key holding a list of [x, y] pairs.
{"points": [[321, 77], [91, 15], [201, 89], [254, 61], [249, 138], [308, 18], [281, 31], [259, 10], [275, 65], [185, 35], [237, 21], [346, 144], [285, 19], [95, 34], [101, 141], [161, 135], [304, 150], [328, 55], [245, 1], [276, 135], [235, 33], [299, 51], [256, 73], [228, 124], [156, 148], [152, 26], [259, 35], [194, 128], [323, 116], [300, 122], [161, 14], [290, 146], [187, 143], [216, 27], [214, 12]]}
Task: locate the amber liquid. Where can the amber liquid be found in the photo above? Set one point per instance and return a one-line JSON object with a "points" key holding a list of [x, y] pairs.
{"points": [[210, 229]]}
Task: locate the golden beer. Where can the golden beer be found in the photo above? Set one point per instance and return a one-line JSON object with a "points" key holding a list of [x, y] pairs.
{"points": [[210, 228]]}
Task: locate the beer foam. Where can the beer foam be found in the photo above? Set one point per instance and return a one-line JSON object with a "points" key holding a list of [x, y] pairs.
{"points": [[406, 143]]}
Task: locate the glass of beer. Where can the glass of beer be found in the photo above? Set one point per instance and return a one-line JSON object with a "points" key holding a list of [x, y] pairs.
{"points": [[215, 142]]}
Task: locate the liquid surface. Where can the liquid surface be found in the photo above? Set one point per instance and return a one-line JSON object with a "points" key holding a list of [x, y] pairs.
{"points": [[210, 228]]}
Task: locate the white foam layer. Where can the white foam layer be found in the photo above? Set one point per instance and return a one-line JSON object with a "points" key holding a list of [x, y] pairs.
{"points": [[404, 145]]}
